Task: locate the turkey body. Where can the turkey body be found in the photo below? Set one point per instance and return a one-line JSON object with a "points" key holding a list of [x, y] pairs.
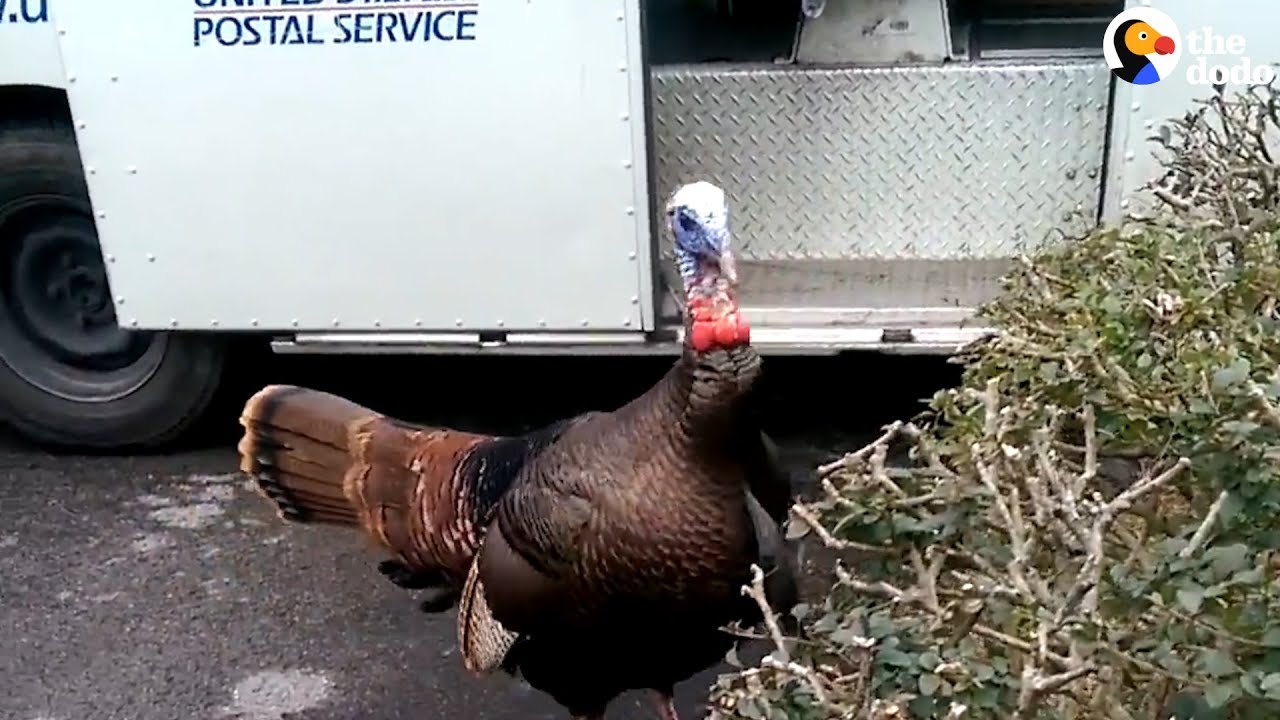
{"points": [[621, 550], [608, 548]]}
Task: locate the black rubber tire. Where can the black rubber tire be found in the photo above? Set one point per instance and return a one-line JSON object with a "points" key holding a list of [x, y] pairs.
{"points": [[41, 161]]}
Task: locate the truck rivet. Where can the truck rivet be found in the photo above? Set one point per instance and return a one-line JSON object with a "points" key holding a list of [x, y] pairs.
{"points": [[1129, 155], [91, 170], [120, 300], [458, 322], [111, 258], [1137, 107], [377, 323], [626, 164], [151, 258], [631, 255], [335, 322], [102, 216], [417, 322], [624, 117], [1124, 203], [585, 323], [62, 31], [71, 78], [501, 324], [622, 67], [621, 17], [214, 323], [542, 323], [115, 78], [132, 170], [133, 322], [630, 211], [294, 322], [173, 322], [253, 322], [80, 126], [627, 322], [635, 299]]}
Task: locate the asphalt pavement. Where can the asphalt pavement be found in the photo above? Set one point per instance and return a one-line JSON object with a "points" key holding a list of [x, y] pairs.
{"points": [[162, 588]]}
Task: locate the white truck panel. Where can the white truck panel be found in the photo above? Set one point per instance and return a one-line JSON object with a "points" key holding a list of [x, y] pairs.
{"points": [[329, 164], [28, 45]]}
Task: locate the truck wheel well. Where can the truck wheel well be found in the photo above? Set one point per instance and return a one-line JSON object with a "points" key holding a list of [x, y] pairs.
{"points": [[26, 106]]}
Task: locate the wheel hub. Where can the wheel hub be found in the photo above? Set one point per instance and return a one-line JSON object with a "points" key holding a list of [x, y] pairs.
{"points": [[61, 297], [56, 308]]}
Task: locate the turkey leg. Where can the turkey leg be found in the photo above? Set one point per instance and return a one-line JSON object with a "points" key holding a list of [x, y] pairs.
{"points": [[443, 595], [401, 576]]}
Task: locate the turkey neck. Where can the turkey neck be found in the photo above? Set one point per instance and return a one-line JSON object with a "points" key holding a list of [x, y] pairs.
{"points": [[705, 391]]}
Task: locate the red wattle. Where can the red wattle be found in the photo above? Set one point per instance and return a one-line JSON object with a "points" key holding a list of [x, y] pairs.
{"points": [[701, 336], [727, 330]]}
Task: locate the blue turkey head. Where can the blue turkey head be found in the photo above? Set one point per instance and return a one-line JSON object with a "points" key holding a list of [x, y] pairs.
{"points": [[698, 216]]}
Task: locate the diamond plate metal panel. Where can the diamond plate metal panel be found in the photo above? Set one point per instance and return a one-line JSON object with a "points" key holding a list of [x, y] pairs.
{"points": [[961, 162]]}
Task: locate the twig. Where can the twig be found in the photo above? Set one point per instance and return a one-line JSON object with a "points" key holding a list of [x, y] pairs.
{"points": [[891, 431], [1091, 572], [884, 589], [798, 670], [1206, 526], [755, 591], [827, 538]]}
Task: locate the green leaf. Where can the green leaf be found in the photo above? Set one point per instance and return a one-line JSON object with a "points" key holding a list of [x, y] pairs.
{"points": [[929, 684], [1218, 663], [1200, 406], [1231, 374], [1271, 638], [894, 658], [1219, 695], [1241, 428], [748, 708], [1191, 598], [1270, 685], [1227, 559], [797, 528], [929, 660], [1252, 576]]}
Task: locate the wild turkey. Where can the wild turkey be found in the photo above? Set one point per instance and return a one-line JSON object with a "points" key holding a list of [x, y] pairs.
{"points": [[600, 554]]}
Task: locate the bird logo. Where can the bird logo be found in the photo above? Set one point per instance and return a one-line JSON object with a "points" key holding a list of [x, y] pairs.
{"points": [[1142, 46]]}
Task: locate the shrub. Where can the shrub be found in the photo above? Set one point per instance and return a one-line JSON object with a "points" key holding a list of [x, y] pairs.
{"points": [[1087, 526]]}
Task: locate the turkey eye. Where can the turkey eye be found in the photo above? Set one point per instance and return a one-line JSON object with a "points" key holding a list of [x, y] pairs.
{"points": [[687, 223]]}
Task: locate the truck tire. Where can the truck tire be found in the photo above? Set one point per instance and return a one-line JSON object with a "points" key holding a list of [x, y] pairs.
{"points": [[69, 376]]}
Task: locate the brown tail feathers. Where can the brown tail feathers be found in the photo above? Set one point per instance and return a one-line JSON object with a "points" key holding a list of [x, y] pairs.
{"points": [[298, 446], [324, 459]]}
